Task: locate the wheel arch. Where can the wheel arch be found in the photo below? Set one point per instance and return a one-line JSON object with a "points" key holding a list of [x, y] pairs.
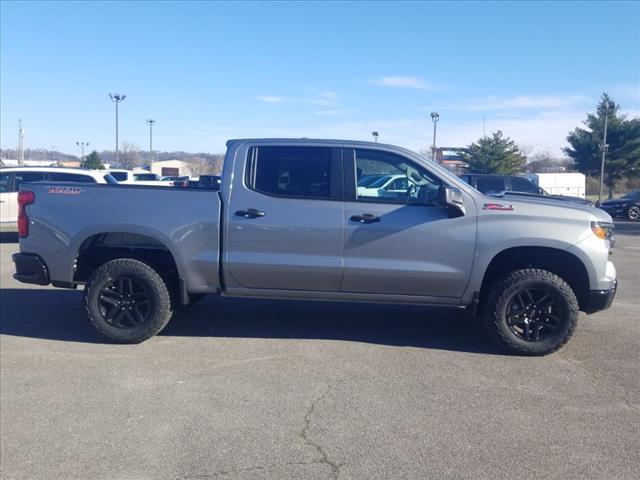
{"points": [[564, 264], [97, 248]]}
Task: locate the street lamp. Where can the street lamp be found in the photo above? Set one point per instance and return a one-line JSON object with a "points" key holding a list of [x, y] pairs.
{"points": [[82, 145], [375, 136], [117, 98], [434, 118], [151, 123], [604, 147]]}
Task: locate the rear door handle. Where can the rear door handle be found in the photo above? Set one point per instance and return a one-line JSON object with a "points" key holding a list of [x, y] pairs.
{"points": [[250, 213], [365, 218]]}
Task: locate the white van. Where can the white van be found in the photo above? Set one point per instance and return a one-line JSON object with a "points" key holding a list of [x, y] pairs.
{"points": [[11, 178]]}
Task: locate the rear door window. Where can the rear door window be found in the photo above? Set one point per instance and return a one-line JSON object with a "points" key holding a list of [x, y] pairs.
{"points": [[304, 172], [27, 177], [70, 177]]}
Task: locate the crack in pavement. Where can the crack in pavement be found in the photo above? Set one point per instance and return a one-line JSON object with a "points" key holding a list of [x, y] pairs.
{"points": [[304, 434], [324, 458]]}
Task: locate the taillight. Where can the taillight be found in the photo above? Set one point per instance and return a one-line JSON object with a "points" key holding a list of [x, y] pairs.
{"points": [[25, 198]]}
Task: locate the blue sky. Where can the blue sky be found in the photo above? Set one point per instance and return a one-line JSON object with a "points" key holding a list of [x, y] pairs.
{"points": [[209, 71]]}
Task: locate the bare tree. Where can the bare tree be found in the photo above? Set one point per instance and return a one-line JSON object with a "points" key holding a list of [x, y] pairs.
{"points": [[129, 156], [543, 162], [210, 165]]}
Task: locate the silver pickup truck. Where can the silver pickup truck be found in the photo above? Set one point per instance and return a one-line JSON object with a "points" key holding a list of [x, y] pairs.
{"points": [[303, 219]]}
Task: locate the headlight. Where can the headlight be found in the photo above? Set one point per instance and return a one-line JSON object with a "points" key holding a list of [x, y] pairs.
{"points": [[604, 231]]}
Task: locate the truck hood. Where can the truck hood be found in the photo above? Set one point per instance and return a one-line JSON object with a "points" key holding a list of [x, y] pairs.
{"points": [[546, 203]]}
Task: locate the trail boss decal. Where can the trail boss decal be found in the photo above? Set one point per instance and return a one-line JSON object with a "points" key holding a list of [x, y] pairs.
{"points": [[65, 190], [497, 206]]}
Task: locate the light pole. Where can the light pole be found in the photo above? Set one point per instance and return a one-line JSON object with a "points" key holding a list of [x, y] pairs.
{"points": [[375, 136], [604, 147], [82, 145], [117, 98], [434, 118], [151, 123]]}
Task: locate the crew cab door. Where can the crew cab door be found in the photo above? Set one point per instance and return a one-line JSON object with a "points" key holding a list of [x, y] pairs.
{"points": [[407, 243], [285, 219]]}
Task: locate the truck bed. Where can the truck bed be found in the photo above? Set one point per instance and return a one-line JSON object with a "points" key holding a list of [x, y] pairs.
{"points": [[186, 222]]}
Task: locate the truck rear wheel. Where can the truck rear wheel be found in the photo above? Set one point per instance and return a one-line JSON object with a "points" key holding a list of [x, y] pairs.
{"points": [[127, 301], [531, 312]]}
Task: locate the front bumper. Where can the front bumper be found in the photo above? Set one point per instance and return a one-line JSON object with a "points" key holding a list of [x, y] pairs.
{"points": [[30, 269], [601, 299]]}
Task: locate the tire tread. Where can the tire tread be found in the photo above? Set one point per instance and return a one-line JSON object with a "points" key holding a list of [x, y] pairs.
{"points": [[501, 289]]}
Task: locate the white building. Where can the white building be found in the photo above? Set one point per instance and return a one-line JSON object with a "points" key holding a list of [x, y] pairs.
{"points": [[171, 168]]}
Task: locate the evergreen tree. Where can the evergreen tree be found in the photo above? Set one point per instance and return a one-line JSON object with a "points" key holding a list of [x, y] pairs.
{"points": [[93, 161], [495, 154], [623, 140]]}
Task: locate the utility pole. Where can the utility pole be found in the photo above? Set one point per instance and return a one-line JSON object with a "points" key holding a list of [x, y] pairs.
{"points": [[151, 123], [117, 98], [20, 143], [604, 147], [82, 145], [435, 117]]}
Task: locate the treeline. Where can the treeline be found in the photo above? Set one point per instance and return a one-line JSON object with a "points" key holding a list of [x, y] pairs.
{"points": [[39, 154], [499, 154]]}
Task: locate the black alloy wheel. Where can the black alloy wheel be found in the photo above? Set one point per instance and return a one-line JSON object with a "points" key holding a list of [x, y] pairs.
{"points": [[533, 314], [124, 303]]}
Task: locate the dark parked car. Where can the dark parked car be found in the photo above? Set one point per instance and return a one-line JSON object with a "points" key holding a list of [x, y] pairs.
{"points": [[627, 206], [209, 182], [513, 184]]}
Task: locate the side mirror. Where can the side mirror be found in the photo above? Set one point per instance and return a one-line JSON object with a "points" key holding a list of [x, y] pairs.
{"points": [[452, 198]]}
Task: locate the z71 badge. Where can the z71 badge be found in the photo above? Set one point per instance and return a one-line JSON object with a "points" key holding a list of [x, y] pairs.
{"points": [[65, 190]]}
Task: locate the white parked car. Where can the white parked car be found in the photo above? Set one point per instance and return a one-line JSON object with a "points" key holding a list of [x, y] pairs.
{"points": [[136, 177], [383, 186], [11, 178]]}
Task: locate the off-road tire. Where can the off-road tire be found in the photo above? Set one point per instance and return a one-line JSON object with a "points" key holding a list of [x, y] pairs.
{"points": [[501, 297], [158, 307]]}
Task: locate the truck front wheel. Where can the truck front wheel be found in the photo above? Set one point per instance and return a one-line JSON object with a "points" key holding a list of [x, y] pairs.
{"points": [[127, 301], [531, 312]]}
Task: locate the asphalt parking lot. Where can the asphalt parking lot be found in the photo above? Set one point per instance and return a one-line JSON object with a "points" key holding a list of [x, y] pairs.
{"points": [[255, 389]]}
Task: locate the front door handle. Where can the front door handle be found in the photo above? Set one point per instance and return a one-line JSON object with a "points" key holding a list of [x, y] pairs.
{"points": [[250, 213], [365, 218]]}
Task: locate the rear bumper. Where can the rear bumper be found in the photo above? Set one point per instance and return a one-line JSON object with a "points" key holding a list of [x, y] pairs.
{"points": [[30, 269], [601, 299]]}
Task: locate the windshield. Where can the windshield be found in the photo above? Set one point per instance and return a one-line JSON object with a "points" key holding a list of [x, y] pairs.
{"points": [[119, 176]]}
